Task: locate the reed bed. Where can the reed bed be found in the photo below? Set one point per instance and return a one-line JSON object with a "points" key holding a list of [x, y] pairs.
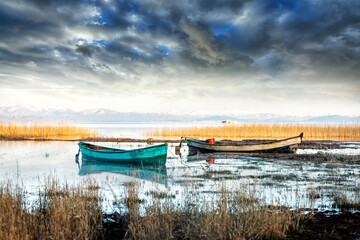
{"points": [[36, 130], [232, 215], [325, 132], [75, 212], [60, 212]]}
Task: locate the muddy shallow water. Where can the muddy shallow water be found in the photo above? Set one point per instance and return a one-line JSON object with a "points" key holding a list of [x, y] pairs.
{"points": [[287, 179]]}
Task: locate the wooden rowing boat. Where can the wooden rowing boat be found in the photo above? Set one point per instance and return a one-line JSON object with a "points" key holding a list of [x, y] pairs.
{"points": [[149, 155], [289, 145]]}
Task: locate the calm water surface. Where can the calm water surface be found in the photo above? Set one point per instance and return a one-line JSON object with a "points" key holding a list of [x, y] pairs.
{"points": [[285, 182]]}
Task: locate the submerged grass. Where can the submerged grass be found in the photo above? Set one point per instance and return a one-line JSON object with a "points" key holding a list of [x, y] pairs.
{"points": [[60, 212], [65, 212], [340, 132], [342, 202], [231, 215], [157, 194], [37, 130]]}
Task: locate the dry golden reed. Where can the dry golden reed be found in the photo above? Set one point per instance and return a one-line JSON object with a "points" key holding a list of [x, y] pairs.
{"points": [[36, 130], [232, 215], [75, 212], [60, 212], [340, 132]]}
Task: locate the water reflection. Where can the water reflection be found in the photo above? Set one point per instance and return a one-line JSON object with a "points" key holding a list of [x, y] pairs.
{"points": [[210, 160], [291, 181], [155, 173]]}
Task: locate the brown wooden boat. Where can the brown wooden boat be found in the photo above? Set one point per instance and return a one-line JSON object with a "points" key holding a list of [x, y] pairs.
{"points": [[288, 145]]}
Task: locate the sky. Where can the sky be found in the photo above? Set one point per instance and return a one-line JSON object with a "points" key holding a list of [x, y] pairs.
{"points": [[194, 57]]}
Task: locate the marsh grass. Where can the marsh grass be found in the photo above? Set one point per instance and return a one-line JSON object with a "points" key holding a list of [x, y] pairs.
{"points": [[74, 212], [236, 177], [314, 192], [37, 130], [341, 201], [60, 212], [341, 196], [219, 171], [159, 194], [206, 175], [230, 215], [340, 132]]}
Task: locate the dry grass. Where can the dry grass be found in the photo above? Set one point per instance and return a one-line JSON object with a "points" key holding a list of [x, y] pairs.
{"points": [[341, 132], [64, 212], [234, 215], [35, 130], [61, 212]]}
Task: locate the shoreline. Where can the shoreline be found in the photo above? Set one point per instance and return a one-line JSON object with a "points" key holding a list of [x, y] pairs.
{"points": [[313, 144]]}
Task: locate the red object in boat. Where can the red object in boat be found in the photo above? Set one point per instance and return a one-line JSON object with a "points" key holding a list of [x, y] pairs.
{"points": [[211, 160], [95, 147], [210, 140]]}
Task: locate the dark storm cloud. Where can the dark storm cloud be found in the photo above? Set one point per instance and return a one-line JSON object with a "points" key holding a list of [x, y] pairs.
{"points": [[15, 27], [87, 50], [257, 41]]}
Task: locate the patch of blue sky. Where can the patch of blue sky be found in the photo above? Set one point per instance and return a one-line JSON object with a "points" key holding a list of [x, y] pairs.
{"points": [[219, 30], [308, 14], [288, 5], [164, 50], [137, 52], [133, 7], [298, 9], [99, 43], [104, 18]]}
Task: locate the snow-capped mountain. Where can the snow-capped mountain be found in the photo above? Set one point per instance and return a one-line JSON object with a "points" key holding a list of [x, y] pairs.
{"points": [[18, 113]]}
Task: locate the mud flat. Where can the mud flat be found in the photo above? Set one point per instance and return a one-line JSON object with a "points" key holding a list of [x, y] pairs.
{"points": [[319, 157], [329, 225], [320, 225]]}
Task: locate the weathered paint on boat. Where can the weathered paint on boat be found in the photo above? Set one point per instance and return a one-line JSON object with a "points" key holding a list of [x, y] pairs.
{"points": [[149, 155], [283, 145]]}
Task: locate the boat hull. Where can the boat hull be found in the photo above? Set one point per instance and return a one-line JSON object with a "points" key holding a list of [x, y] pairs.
{"points": [[288, 145], [150, 155]]}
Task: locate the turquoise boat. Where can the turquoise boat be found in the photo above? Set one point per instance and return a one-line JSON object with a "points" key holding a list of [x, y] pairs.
{"points": [[153, 172], [149, 155]]}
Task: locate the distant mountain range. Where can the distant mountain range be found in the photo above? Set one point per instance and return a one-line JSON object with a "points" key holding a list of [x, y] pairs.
{"points": [[18, 113]]}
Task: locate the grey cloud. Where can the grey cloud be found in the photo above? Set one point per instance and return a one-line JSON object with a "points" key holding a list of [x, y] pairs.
{"points": [[232, 41], [87, 50], [15, 27], [201, 41]]}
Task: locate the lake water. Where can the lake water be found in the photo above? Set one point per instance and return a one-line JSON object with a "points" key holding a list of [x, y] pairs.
{"points": [[281, 182], [277, 181]]}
